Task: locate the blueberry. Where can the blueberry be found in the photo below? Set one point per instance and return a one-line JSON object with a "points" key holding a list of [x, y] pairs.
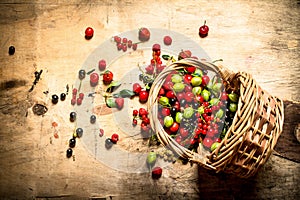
{"points": [[93, 119], [54, 99], [108, 143], [72, 143], [69, 153], [11, 50], [62, 96], [81, 74], [79, 132], [72, 116]]}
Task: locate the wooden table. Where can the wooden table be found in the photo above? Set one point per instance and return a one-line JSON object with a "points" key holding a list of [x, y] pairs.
{"points": [[260, 37]]}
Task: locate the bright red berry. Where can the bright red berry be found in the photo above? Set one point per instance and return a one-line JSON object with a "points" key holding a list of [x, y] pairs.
{"points": [[89, 32], [81, 96], [156, 172], [165, 111], [107, 77], [203, 30], [114, 138], [124, 40], [207, 142], [205, 80], [170, 94], [74, 91], [143, 96], [119, 102], [143, 111], [134, 122], [136, 88], [135, 112], [94, 78]]}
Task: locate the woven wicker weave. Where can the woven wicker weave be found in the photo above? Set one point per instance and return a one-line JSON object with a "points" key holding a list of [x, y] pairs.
{"points": [[253, 134]]}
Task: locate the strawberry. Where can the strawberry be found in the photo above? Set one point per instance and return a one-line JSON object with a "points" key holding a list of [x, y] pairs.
{"points": [[119, 102], [144, 34]]}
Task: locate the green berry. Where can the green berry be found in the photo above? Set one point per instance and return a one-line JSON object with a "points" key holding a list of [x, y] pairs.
{"points": [[168, 121], [151, 158], [196, 81], [176, 78], [196, 90], [178, 87], [188, 112], [164, 101]]}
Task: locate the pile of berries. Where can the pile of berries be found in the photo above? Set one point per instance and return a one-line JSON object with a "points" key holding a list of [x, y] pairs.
{"points": [[124, 43], [76, 100], [142, 115]]}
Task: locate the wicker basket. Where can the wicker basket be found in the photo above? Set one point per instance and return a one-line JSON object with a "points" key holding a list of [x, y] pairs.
{"points": [[250, 139]]}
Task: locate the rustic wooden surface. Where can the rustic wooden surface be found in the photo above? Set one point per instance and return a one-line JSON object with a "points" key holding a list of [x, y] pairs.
{"points": [[260, 37]]}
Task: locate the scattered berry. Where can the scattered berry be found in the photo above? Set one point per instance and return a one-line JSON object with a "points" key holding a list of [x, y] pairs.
{"points": [[134, 122], [72, 143], [73, 116], [89, 32], [134, 46], [94, 78], [79, 101], [129, 43], [69, 153], [144, 34], [143, 96], [108, 143], [203, 30], [119, 102], [54, 99], [62, 96], [102, 65], [135, 112], [81, 74], [156, 172], [79, 132], [136, 88], [101, 132], [74, 91], [81, 96], [93, 119], [107, 77], [114, 138], [167, 40], [156, 47], [11, 50]]}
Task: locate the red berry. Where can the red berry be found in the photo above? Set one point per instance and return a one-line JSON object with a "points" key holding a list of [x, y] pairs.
{"points": [[143, 96], [156, 172], [189, 96], [165, 111], [135, 112], [156, 47], [134, 46], [107, 77], [207, 142], [74, 91], [81, 95], [149, 69], [114, 138], [79, 101], [101, 132], [117, 39], [94, 78], [143, 111], [218, 140], [190, 69], [161, 92], [167, 40], [119, 102], [73, 101], [102, 65], [187, 78], [184, 54], [203, 30], [136, 88], [224, 96], [174, 128], [134, 122], [89, 32], [146, 120], [183, 132], [124, 40], [119, 46], [205, 104], [144, 34], [129, 43], [205, 80], [170, 94], [124, 47]]}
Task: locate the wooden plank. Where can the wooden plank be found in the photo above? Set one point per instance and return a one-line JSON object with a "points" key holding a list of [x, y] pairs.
{"points": [[48, 35]]}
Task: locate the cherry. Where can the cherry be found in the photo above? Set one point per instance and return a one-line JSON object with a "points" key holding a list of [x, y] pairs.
{"points": [[174, 128], [89, 32], [135, 112], [144, 34], [203, 30], [205, 80], [207, 142], [170, 94], [165, 111], [167, 40], [224, 96], [114, 138], [156, 172], [136, 88], [102, 65], [107, 77], [143, 96]]}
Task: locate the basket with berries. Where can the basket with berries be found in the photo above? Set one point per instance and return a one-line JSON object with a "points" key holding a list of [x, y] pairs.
{"points": [[214, 117]]}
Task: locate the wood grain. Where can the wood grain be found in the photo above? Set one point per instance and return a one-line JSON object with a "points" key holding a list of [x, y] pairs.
{"points": [[260, 37]]}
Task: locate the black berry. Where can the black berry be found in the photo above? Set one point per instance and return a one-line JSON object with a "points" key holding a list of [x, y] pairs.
{"points": [[79, 132], [69, 153], [72, 116], [81, 74], [93, 119], [54, 99], [108, 143], [62, 96], [72, 143], [11, 50]]}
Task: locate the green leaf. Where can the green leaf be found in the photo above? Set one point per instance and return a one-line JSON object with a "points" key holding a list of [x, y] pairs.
{"points": [[114, 84], [165, 57], [110, 102], [125, 93]]}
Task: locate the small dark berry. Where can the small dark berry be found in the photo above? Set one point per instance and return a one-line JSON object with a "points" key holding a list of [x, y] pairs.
{"points": [[54, 99], [81, 74], [79, 132], [69, 153], [172, 101], [93, 119], [108, 143], [72, 116], [72, 143], [62, 96], [11, 50]]}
